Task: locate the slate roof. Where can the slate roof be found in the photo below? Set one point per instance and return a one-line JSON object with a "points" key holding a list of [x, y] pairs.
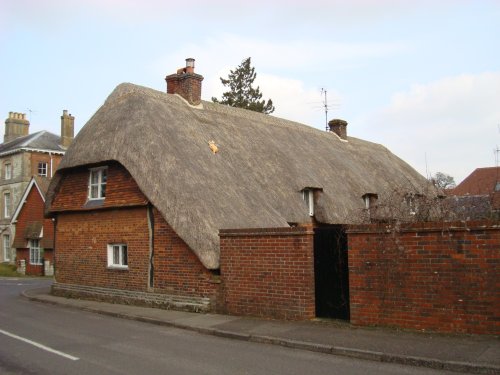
{"points": [[483, 181], [253, 181], [42, 141]]}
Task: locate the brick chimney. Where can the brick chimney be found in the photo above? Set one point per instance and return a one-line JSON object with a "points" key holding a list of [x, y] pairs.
{"points": [[186, 83], [67, 129], [16, 126], [339, 127]]}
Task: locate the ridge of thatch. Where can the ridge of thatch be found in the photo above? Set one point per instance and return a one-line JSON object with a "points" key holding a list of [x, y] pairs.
{"points": [[254, 180]]}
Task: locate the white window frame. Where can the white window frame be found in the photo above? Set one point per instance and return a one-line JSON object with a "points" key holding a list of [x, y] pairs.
{"points": [[35, 252], [6, 204], [42, 168], [6, 247], [8, 171], [101, 183], [118, 255]]}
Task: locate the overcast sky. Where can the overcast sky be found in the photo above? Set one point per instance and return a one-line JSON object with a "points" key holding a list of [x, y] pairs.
{"points": [[421, 78]]}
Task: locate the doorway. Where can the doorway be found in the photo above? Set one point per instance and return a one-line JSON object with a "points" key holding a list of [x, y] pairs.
{"points": [[331, 273]]}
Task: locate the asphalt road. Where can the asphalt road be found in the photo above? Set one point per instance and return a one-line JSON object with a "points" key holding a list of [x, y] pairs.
{"points": [[42, 339]]}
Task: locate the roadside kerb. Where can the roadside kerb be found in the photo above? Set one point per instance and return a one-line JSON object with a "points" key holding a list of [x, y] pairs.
{"points": [[464, 367]]}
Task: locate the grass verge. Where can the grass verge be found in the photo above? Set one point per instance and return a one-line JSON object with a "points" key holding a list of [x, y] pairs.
{"points": [[8, 270]]}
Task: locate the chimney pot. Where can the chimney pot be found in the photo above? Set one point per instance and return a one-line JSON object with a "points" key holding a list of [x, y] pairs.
{"points": [[186, 83], [190, 62], [339, 127]]}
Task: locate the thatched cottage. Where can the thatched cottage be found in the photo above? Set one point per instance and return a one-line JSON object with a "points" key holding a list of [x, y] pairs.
{"points": [[169, 200]]}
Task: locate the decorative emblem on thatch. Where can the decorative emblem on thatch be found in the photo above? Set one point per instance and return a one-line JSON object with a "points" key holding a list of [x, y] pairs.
{"points": [[213, 147]]}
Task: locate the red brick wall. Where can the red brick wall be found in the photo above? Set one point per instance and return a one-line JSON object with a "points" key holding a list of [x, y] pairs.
{"points": [[32, 210], [31, 269], [37, 157], [81, 247], [268, 272], [426, 276], [81, 253], [121, 189], [177, 269]]}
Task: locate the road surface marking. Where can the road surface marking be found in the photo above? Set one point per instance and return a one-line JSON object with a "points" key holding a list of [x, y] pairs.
{"points": [[40, 345]]}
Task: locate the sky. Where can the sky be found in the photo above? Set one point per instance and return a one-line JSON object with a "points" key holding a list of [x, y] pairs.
{"points": [[420, 77]]}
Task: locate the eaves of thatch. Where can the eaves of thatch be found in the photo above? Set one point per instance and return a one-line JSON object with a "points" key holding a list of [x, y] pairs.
{"points": [[254, 180]]}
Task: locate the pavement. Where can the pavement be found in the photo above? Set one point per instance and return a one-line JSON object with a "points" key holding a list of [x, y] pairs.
{"points": [[477, 354]]}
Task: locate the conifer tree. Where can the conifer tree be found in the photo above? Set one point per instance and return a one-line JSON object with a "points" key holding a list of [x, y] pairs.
{"points": [[241, 94]]}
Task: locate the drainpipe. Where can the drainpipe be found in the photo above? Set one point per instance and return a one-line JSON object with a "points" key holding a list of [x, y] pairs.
{"points": [[151, 229], [51, 174]]}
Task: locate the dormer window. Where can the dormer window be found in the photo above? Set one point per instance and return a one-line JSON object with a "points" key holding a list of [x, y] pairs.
{"points": [[412, 200], [370, 200], [97, 183], [308, 194]]}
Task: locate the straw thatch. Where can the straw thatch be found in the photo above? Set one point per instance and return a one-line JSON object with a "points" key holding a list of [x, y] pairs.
{"points": [[255, 178]]}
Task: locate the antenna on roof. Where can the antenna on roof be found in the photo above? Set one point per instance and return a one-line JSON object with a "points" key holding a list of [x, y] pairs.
{"points": [[496, 151], [31, 111], [325, 105]]}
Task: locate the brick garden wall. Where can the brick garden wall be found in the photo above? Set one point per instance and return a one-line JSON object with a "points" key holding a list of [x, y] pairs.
{"points": [[268, 272], [426, 276]]}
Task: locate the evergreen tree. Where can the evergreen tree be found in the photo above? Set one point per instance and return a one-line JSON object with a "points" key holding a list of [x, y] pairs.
{"points": [[241, 94]]}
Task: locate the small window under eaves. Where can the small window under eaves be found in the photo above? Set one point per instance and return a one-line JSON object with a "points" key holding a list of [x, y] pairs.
{"points": [[308, 194]]}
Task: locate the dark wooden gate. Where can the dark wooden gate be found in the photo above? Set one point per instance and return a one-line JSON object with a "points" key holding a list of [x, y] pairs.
{"points": [[331, 274]]}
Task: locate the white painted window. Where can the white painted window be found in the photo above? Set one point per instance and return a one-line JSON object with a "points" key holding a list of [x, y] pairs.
{"points": [[6, 205], [42, 169], [97, 183], [35, 252], [6, 248], [8, 171], [117, 256], [308, 196]]}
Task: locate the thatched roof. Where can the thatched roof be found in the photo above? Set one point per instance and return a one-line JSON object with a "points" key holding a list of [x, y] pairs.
{"points": [[253, 181]]}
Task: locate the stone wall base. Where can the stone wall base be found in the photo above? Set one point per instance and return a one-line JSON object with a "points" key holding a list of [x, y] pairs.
{"points": [[128, 297]]}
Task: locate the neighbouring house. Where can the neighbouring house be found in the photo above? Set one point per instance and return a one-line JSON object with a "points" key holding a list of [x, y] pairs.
{"points": [[168, 200], [23, 155], [480, 191], [34, 239]]}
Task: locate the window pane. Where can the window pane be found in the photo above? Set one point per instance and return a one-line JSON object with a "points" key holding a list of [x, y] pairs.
{"points": [[6, 247], [104, 175], [94, 191], [125, 256], [103, 191], [116, 254], [7, 204], [94, 177]]}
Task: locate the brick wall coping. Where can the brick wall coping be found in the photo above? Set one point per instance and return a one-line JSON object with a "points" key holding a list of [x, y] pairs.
{"points": [[256, 232], [437, 226]]}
